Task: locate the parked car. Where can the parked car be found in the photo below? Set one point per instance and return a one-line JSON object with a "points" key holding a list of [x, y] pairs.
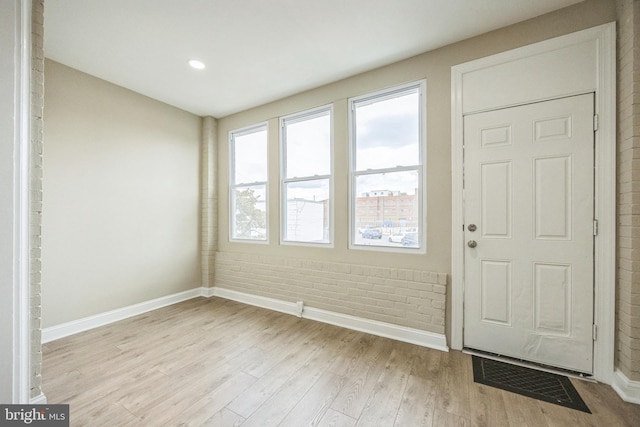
{"points": [[410, 239], [396, 237], [372, 233]]}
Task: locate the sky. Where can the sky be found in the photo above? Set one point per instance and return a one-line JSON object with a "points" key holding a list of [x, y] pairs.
{"points": [[387, 136]]}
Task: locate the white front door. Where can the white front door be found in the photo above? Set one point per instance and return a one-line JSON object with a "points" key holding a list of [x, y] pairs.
{"points": [[528, 203]]}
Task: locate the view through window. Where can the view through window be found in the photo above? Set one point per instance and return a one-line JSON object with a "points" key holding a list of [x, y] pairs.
{"points": [[248, 183], [387, 168], [306, 177]]}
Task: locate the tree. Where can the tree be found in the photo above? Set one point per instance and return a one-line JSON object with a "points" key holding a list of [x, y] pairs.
{"points": [[248, 217]]}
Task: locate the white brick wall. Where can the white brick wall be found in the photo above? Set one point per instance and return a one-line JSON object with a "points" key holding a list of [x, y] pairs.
{"points": [[412, 298], [37, 104], [628, 277], [209, 199]]}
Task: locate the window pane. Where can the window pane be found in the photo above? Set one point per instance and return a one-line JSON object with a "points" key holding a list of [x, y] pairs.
{"points": [[308, 147], [249, 211], [387, 209], [250, 157], [388, 132], [307, 211]]}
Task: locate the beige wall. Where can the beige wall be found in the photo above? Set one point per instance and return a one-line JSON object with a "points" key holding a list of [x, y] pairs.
{"points": [[121, 186], [433, 66]]}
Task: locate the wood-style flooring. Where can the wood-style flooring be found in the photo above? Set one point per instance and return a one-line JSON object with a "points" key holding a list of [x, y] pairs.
{"points": [[216, 362]]}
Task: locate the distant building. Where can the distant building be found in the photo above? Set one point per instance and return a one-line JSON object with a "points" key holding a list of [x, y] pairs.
{"points": [[307, 220], [380, 193], [387, 209]]}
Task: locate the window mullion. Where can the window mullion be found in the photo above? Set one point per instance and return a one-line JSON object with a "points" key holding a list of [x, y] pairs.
{"points": [[387, 170], [305, 178]]}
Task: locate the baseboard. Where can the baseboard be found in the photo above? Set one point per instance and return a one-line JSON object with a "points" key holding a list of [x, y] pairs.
{"points": [[383, 329], [40, 399], [627, 389], [256, 300], [206, 292], [65, 329]]}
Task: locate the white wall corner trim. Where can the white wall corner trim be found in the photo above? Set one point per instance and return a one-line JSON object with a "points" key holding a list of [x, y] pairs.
{"points": [[383, 329], [70, 328], [627, 389], [15, 226], [40, 399], [601, 42]]}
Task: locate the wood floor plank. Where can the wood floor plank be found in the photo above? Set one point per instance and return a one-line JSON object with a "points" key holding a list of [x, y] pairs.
{"points": [[333, 418], [447, 419], [214, 362], [384, 401], [223, 418], [210, 407], [357, 344], [271, 381], [280, 403], [487, 406], [360, 383], [418, 403], [453, 382], [311, 408], [606, 405], [278, 347], [112, 413], [521, 411]]}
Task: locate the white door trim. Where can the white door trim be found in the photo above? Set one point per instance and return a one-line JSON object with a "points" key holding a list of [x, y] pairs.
{"points": [[604, 37], [15, 83]]}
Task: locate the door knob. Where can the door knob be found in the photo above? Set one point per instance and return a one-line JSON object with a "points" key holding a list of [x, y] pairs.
{"points": [[472, 243], [472, 228]]}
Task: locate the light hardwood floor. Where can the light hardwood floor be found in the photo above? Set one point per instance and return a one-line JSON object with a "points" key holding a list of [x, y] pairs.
{"points": [[216, 362]]}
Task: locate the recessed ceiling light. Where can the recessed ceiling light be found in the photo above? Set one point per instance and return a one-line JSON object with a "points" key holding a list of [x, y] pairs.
{"points": [[198, 65]]}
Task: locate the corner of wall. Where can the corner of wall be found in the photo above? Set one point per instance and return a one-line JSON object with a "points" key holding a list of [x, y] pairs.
{"points": [[37, 106], [208, 199], [627, 352]]}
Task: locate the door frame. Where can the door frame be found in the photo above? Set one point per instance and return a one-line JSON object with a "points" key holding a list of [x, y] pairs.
{"points": [[15, 81], [603, 44]]}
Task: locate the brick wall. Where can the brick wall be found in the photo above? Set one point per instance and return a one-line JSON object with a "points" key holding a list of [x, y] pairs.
{"points": [[412, 298], [209, 199], [37, 105], [628, 283]]}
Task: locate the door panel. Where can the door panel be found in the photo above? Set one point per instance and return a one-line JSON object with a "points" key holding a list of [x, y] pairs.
{"points": [[553, 186], [496, 291], [552, 288], [529, 192], [496, 200]]}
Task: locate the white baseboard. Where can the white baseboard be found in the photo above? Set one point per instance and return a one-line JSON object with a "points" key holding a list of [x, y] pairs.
{"points": [[206, 292], [258, 301], [40, 399], [65, 329], [627, 389], [383, 329]]}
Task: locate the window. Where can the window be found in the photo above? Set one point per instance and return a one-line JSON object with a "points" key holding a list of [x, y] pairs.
{"points": [[387, 169], [248, 183], [306, 159]]}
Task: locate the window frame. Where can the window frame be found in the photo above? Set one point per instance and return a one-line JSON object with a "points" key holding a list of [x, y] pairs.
{"points": [[297, 118], [377, 96], [258, 127]]}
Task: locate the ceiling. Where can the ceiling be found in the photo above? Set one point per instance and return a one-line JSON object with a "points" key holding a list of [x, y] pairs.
{"points": [[258, 51]]}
